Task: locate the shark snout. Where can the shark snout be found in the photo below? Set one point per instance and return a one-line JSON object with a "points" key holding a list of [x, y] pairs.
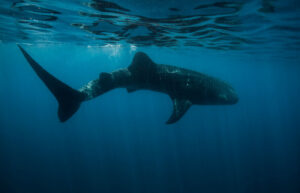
{"points": [[228, 97], [234, 98]]}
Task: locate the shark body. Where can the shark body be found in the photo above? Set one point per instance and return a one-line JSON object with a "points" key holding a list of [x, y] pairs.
{"points": [[185, 87]]}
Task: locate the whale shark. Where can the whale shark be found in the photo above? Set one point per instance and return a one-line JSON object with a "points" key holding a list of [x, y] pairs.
{"points": [[185, 87]]}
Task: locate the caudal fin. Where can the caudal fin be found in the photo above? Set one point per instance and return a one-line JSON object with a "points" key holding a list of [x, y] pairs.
{"points": [[69, 99]]}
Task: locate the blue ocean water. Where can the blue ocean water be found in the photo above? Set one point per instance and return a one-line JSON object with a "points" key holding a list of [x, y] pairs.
{"points": [[119, 142]]}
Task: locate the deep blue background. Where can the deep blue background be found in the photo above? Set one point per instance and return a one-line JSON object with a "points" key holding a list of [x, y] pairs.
{"points": [[119, 142]]}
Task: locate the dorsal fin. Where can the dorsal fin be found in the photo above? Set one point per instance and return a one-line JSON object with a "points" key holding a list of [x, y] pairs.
{"points": [[141, 63], [180, 106]]}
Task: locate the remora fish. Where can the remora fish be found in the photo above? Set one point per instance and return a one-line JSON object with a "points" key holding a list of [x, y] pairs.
{"points": [[185, 87]]}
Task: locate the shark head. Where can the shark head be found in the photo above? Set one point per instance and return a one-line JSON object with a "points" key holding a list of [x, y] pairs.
{"points": [[227, 96]]}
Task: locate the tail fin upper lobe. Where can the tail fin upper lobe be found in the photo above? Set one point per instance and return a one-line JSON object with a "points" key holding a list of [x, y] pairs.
{"points": [[69, 99]]}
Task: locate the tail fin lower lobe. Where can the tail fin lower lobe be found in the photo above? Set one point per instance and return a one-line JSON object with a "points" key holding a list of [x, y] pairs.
{"points": [[69, 99]]}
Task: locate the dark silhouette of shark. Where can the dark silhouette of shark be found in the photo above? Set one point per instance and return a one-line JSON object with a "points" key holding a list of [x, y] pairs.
{"points": [[185, 87]]}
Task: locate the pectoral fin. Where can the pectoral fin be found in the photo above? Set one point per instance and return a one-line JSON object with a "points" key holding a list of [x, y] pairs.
{"points": [[180, 106]]}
